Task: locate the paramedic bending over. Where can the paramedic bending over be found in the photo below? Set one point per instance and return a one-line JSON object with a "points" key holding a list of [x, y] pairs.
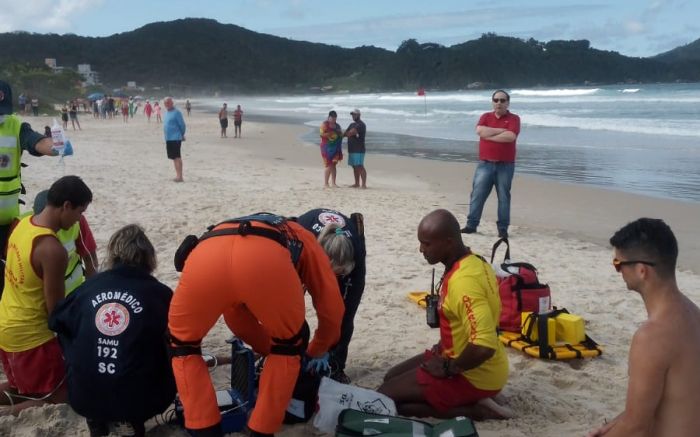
{"points": [[252, 281], [343, 239], [468, 367]]}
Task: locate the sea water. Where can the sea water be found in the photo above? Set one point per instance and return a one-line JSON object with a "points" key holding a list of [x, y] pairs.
{"points": [[643, 139]]}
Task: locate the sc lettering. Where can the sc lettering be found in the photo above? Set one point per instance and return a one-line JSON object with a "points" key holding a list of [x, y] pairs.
{"points": [[106, 368]]}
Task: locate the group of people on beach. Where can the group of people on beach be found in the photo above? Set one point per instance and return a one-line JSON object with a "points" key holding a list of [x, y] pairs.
{"points": [[332, 135], [98, 342], [237, 120]]}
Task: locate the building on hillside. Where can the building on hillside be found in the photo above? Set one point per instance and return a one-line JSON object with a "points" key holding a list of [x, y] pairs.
{"points": [[90, 77], [51, 63]]}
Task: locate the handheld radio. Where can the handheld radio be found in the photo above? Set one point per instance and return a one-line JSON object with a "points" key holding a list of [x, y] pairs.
{"points": [[431, 306]]}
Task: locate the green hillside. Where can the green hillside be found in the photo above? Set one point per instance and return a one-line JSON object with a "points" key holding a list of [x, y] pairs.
{"points": [[202, 55]]}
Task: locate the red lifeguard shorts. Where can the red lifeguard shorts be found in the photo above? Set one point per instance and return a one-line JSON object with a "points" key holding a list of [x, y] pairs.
{"points": [[443, 394], [35, 371]]}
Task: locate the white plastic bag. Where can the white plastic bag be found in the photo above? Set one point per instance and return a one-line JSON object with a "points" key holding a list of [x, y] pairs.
{"points": [[334, 397], [58, 136]]}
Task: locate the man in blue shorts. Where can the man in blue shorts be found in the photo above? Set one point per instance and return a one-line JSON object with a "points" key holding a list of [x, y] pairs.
{"points": [[356, 148]]}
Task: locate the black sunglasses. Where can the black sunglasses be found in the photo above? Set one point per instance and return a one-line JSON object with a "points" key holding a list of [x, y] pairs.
{"points": [[618, 264], [495, 100]]}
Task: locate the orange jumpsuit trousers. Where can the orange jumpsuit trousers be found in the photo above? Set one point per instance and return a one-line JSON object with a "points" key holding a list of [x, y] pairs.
{"points": [[253, 283]]}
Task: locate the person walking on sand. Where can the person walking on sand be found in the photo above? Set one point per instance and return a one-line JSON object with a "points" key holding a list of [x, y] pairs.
{"points": [[468, 367], [356, 149], [125, 110], [64, 117], [157, 111], [147, 110], [331, 147], [188, 107], [237, 121], [73, 114], [174, 130], [664, 384], [223, 120], [497, 131]]}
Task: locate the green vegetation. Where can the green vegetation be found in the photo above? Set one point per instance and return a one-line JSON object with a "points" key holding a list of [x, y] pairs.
{"points": [[204, 56], [41, 81]]}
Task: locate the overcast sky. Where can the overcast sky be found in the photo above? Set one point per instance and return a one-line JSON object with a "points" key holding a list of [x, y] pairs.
{"points": [[631, 27]]}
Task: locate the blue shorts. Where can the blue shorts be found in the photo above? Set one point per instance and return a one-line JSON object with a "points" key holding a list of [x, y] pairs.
{"points": [[356, 159]]}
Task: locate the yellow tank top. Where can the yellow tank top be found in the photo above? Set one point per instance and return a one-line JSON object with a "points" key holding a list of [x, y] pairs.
{"points": [[23, 316]]}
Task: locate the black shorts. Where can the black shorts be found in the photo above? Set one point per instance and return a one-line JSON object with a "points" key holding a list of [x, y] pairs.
{"points": [[173, 149], [224, 122], [237, 123]]}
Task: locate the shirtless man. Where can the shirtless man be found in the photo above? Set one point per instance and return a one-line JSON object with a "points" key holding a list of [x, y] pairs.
{"points": [[664, 384]]}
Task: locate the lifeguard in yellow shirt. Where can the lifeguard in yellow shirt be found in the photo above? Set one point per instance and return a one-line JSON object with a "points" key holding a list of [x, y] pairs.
{"points": [[34, 283], [461, 374]]}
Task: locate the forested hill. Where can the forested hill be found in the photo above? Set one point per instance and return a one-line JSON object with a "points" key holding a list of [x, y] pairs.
{"points": [[688, 52], [205, 55]]}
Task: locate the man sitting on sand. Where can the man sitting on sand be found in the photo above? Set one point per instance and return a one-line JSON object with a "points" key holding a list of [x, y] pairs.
{"points": [[468, 367], [664, 384]]}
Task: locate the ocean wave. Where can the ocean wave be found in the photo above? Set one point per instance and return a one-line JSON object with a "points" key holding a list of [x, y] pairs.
{"points": [[630, 90], [628, 125], [453, 112], [452, 97], [564, 92]]}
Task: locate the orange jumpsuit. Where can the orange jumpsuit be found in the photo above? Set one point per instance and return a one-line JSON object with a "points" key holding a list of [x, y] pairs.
{"points": [[252, 281]]}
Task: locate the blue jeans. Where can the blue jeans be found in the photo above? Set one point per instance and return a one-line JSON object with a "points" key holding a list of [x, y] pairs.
{"points": [[487, 175]]}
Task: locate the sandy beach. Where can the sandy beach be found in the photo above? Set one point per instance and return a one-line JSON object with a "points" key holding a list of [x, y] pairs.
{"points": [[560, 228]]}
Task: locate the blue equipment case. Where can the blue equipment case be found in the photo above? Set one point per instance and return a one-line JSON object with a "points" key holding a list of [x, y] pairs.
{"points": [[236, 402]]}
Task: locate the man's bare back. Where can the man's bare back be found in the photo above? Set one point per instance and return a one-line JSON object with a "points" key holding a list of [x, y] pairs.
{"points": [[663, 393], [677, 326]]}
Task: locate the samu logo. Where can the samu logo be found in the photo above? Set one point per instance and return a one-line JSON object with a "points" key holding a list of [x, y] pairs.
{"points": [[112, 319]]}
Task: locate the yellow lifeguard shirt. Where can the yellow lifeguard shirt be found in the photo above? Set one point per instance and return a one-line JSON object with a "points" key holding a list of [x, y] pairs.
{"points": [[469, 309], [23, 316]]}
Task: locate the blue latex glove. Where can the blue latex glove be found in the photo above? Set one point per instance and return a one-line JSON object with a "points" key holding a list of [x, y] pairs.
{"points": [[319, 365], [68, 149]]}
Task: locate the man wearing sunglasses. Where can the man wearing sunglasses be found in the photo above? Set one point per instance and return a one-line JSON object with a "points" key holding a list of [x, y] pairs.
{"points": [[663, 392], [497, 132]]}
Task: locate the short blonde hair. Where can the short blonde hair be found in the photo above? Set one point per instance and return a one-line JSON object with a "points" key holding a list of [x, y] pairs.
{"points": [[130, 246], [339, 249]]}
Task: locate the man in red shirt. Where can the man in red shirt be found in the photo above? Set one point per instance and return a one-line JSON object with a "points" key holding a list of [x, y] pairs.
{"points": [[497, 132]]}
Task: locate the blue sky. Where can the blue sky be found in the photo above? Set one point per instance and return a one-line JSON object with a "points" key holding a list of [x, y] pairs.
{"points": [[631, 27]]}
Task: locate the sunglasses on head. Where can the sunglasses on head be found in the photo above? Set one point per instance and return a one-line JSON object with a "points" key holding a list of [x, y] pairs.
{"points": [[496, 100], [618, 264]]}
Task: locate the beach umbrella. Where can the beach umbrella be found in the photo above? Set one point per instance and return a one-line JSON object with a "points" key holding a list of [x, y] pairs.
{"points": [[95, 96]]}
